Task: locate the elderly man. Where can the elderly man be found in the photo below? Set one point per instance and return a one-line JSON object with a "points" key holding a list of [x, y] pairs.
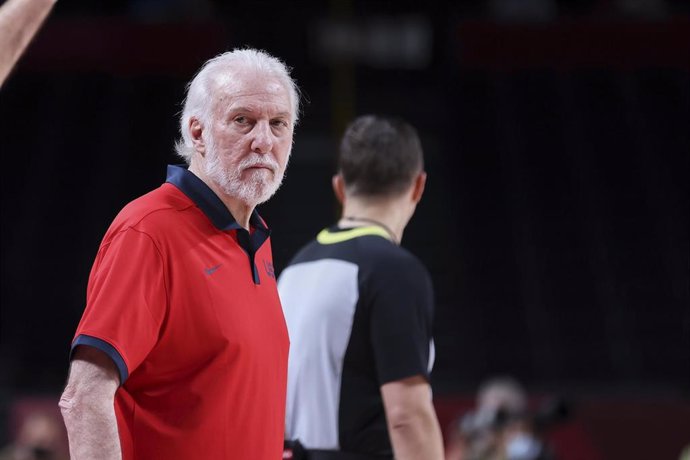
{"points": [[182, 349], [359, 311]]}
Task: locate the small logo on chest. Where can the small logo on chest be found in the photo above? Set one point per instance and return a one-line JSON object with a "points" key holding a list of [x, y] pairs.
{"points": [[211, 270], [268, 266]]}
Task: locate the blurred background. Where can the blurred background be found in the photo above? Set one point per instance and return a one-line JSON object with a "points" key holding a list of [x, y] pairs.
{"points": [[555, 222]]}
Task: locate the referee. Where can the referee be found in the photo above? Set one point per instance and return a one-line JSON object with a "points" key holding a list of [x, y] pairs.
{"points": [[359, 311]]}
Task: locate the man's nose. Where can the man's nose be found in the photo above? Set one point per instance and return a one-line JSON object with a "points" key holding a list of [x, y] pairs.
{"points": [[263, 137]]}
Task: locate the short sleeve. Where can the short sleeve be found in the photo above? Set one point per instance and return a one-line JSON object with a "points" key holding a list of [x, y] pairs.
{"points": [[401, 320], [126, 300]]}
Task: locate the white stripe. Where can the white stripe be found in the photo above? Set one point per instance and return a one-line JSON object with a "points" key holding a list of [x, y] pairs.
{"points": [[319, 300]]}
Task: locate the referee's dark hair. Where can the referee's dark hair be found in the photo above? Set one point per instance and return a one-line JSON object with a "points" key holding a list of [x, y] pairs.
{"points": [[379, 156]]}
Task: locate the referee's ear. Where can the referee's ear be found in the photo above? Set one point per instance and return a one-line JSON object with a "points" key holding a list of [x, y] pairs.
{"points": [[418, 187], [339, 188]]}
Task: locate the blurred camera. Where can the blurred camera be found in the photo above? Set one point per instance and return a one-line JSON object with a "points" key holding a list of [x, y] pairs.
{"points": [[524, 444], [549, 413]]}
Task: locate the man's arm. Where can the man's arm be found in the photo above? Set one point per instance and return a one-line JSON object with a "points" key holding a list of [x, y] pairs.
{"points": [[412, 423], [87, 405], [19, 22]]}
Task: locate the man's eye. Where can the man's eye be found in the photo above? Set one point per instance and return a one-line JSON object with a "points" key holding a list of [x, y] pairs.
{"points": [[279, 123], [241, 120]]}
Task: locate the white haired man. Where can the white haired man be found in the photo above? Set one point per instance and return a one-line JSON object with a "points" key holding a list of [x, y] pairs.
{"points": [[182, 349]]}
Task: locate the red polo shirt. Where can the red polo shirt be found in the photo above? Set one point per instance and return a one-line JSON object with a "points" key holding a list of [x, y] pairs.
{"points": [[184, 301]]}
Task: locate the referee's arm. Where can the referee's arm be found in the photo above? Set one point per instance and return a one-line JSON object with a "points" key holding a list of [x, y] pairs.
{"points": [[412, 424]]}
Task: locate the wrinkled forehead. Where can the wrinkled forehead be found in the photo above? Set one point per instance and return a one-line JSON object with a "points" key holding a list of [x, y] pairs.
{"points": [[250, 88]]}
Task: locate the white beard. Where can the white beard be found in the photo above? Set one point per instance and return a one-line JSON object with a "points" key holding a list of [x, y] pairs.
{"points": [[258, 186]]}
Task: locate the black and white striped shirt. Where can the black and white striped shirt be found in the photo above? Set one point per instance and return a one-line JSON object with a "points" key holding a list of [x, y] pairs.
{"points": [[359, 314]]}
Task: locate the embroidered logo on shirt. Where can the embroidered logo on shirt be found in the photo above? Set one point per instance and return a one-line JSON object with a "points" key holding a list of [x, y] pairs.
{"points": [[268, 266], [209, 271]]}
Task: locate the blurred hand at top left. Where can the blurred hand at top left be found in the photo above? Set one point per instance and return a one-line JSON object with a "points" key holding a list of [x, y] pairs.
{"points": [[19, 22]]}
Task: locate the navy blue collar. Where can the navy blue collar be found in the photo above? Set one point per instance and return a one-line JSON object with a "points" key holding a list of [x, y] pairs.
{"points": [[207, 200]]}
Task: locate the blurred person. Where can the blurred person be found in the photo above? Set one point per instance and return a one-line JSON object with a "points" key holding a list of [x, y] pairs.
{"points": [[181, 352], [40, 437], [20, 20], [502, 427], [359, 311], [685, 454]]}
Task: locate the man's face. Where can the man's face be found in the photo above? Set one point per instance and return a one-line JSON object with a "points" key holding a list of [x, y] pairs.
{"points": [[249, 137]]}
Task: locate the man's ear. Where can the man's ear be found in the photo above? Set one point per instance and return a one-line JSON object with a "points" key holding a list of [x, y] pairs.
{"points": [[418, 187], [196, 130], [339, 188]]}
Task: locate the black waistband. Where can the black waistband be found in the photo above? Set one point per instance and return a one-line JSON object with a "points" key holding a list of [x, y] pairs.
{"points": [[317, 454]]}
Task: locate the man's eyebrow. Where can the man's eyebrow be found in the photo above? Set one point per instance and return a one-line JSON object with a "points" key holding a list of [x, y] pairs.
{"points": [[283, 114]]}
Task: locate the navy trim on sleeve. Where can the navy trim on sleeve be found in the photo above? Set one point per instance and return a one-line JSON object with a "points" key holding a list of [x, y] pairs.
{"points": [[106, 348]]}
